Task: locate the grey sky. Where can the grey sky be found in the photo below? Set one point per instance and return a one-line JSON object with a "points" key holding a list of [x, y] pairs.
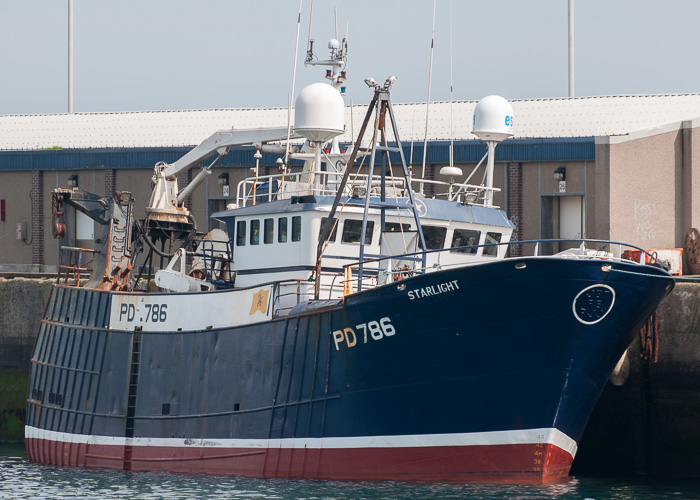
{"points": [[133, 55]]}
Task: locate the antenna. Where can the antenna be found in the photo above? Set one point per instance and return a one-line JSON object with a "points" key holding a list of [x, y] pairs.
{"points": [[452, 135], [451, 170], [352, 124], [309, 41], [427, 102], [294, 78], [413, 135], [336, 63]]}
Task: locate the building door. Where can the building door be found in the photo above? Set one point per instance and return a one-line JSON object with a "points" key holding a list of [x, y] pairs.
{"points": [[561, 217], [571, 217]]}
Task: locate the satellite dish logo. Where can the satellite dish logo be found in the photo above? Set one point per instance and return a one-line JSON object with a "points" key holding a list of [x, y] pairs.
{"points": [[594, 303]]}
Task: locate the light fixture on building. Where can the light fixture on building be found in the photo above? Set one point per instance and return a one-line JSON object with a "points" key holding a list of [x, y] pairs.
{"points": [[223, 179], [73, 181], [560, 174]]}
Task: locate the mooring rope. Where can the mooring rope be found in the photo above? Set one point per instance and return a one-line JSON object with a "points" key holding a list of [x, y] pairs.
{"points": [[642, 274], [686, 279], [679, 279], [649, 335]]}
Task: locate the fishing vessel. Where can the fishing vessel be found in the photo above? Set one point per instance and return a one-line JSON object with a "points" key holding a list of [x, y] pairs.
{"points": [[346, 325]]}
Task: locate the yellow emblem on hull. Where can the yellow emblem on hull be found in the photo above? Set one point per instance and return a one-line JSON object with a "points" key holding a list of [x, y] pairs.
{"points": [[259, 302]]}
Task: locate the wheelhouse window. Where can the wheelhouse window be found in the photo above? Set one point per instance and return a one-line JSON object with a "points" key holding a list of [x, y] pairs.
{"points": [[334, 231], [240, 233], [255, 232], [434, 237], [395, 227], [465, 238], [282, 230], [490, 239], [352, 231], [296, 228], [269, 234]]}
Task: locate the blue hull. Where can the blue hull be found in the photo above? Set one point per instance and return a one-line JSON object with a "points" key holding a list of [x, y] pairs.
{"points": [[496, 351]]}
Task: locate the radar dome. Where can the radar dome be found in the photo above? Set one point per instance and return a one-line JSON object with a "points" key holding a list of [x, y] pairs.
{"points": [[493, 119], [319, 113]]}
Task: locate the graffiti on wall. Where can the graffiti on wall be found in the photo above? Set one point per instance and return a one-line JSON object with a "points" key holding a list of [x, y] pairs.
{"points": [[644, 214]]}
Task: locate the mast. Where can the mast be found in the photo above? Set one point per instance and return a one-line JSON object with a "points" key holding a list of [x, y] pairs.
{"points": [[381, 108], [336, 63]]}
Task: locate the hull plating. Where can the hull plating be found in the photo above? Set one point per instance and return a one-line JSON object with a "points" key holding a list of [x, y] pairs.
{"points": [[400, 382]]}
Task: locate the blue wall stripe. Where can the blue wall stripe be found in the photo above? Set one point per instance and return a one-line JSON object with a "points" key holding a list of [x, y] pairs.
{"points": [[515, 150]]}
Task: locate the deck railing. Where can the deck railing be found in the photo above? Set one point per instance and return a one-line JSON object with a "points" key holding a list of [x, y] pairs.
{"points": [[266, 188], [71, 264], [378, 271]]}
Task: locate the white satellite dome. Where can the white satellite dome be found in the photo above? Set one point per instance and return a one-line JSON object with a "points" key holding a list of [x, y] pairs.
{"points": [[493, 119], [451, 171], [319, 113]]}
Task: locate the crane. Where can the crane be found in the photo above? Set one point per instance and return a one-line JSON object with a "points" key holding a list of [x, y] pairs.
{"points": [[165, 214]]}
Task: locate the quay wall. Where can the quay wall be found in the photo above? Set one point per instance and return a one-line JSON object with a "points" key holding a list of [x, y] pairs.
{"points": [[649, 425], [22, 303]]}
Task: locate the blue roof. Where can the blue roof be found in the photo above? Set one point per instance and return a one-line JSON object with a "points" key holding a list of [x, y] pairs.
{"points": [[434, 210]]}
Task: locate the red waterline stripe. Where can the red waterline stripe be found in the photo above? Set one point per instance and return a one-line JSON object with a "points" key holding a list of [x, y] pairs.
{"points": [[511, 462]]}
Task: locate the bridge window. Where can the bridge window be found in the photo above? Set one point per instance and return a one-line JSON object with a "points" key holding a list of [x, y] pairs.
{"points": [[492, 238], [395, 227], [296, 228], [352, 231], [255, 232], [434, 237], [282, 230], [269, 235], [334, 230], [465, 238], [240, 233]]}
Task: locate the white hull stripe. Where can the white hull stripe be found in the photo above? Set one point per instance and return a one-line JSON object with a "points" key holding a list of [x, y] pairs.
{"points": [[527, 436]]}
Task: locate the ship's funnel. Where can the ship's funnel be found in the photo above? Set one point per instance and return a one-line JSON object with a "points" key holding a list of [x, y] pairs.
{"points": [[319, 113]]}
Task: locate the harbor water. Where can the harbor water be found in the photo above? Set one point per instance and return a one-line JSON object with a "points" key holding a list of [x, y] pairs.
{"points": [[21, 479]]}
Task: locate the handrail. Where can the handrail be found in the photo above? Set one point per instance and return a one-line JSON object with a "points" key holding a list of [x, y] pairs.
{"points": [[247, 189], [509, 243], [69, 267], [644, 255]]}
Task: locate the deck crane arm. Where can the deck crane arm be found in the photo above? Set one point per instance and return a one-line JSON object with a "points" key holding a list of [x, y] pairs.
{"points": [[166, 197]]}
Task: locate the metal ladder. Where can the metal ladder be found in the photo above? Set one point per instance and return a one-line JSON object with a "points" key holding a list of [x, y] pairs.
{"points": [[131, 397]]}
